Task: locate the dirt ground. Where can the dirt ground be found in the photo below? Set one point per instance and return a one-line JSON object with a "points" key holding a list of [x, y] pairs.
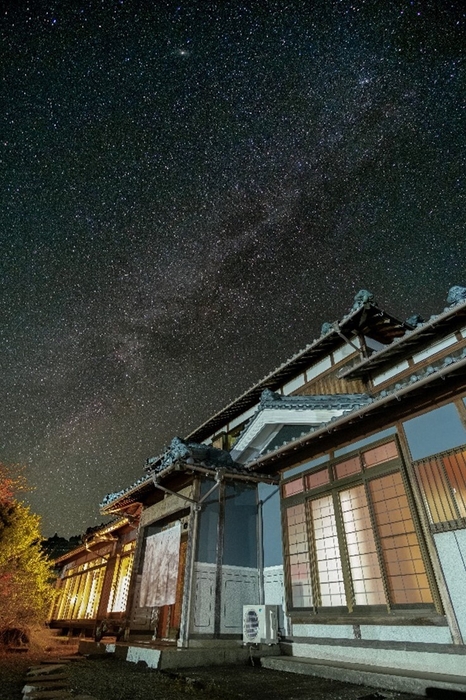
{"points": [[108, 678]]}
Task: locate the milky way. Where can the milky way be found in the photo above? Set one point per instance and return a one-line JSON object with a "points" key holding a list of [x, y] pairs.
{"points": [[189, 190]]}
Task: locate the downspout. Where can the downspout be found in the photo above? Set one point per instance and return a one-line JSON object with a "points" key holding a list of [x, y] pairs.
{"points": [[260, 551]]}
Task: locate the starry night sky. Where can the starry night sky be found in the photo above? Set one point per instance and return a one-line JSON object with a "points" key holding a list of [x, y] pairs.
{"points": [[189, 190]]}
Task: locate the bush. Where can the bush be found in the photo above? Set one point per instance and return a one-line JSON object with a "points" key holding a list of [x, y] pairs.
{"points": [[26, 592]]}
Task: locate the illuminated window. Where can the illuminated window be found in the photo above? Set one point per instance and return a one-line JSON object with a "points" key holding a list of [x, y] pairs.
{"points": [[120, 584], [402, 559], [366, 574], [80, 591], [327, 552], [380, 454], [298, 558], [442, 480], [317, 479], [356, 543], [349, 466]]}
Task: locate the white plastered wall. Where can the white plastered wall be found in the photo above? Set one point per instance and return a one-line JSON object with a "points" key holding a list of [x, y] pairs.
{"points": [[451, 548], [274, 594]]}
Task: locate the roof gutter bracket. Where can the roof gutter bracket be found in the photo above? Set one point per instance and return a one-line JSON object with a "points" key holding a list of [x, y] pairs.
{"points": [[347, 340], [197, 505]]}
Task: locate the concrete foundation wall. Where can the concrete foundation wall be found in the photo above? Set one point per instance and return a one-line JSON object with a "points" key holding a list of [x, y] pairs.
{"points": [[413, 660], [383, 633]]}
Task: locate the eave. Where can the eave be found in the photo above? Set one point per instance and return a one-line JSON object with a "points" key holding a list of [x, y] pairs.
{"points": [[382, 411], [413, 340], [85, 547], [136, 494], [367, 320]]}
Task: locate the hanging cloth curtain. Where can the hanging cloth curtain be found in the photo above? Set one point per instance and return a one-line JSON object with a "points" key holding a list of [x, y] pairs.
{"points": [[160, 570]]}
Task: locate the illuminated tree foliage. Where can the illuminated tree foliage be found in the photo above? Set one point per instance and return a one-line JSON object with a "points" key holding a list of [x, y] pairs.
{"points": [[25, 572]]}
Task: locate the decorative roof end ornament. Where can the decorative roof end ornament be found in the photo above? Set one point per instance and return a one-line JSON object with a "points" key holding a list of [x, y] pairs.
{"points": [[456, 295], [363, 298], [269, 397], [414, 321], [193, 452], [326, 328]]}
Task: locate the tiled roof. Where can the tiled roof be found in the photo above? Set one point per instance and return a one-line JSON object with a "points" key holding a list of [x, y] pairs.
{"points": [[138, 485], [209, 458], [367, 319], [271, 399], [451, 366], [345, 403]]}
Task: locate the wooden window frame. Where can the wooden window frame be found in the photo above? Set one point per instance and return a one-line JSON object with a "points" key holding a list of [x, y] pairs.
{"points": [[457, 523], [388, 613]]}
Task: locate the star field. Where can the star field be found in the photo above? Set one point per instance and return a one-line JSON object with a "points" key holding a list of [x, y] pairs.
{"points": [[189, 190]]}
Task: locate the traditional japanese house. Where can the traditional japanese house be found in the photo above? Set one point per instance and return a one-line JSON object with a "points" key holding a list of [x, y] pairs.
{"points": [[334, 488], [373, 499]]}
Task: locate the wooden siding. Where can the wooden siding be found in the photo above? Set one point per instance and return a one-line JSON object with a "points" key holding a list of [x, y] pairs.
{"points": [[329, 383]]}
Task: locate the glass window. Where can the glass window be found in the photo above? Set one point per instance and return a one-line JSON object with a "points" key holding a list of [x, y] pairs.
{"points": [[292, 487], [317, 479], [434, 432], [80, 591], [327, 552], [120, 584], [349, 466], [298, 557], [380, 454], [442, 481], [358, 546], [362, 552], [405, 570]]}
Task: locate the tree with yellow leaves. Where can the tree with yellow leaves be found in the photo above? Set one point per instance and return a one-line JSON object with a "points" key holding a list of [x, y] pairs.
{"points": [[25, 572]]}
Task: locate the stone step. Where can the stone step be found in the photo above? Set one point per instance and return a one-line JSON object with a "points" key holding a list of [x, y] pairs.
{"points": [[45, 669], [47, 681], [47, 678], [48, 695], [401, 680], [44, 685], [63, 660]]}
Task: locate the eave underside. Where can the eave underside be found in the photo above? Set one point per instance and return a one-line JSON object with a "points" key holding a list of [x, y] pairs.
{"points": [[376, 416]]}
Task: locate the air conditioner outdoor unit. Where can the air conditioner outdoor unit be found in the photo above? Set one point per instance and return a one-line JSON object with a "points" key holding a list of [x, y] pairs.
{"points": [[260, 624]]}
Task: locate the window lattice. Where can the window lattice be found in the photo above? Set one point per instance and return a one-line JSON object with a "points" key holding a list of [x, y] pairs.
{"points": [[327, 552], [442, 480], [358, 545], [298, 557], [120, 584]]}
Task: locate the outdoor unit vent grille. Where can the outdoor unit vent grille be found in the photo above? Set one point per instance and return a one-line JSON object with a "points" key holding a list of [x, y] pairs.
{"points": [[260, 624]]}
